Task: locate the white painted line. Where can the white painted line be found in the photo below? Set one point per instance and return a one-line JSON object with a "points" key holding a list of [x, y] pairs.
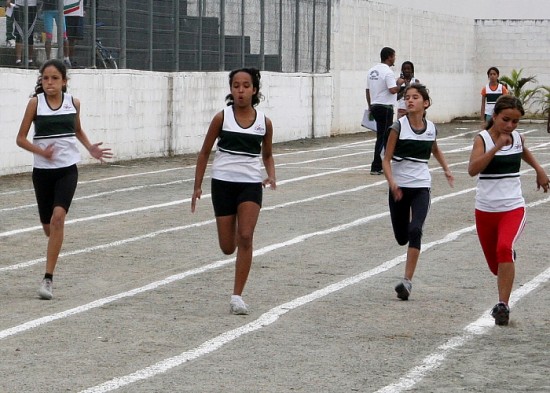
{"points": [[431, 362], [214, 265], [479, 327]]}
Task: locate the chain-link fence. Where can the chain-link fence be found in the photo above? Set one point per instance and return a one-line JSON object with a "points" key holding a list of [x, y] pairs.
{"points": [[208, 35]]}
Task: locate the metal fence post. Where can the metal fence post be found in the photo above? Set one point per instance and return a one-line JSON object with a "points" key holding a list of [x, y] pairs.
{"points": [[297, 38], [242, 35], [222, 35], [60, 23], [123, 37], [94, 33], [151, 35], [262, 34], [176, 8]]}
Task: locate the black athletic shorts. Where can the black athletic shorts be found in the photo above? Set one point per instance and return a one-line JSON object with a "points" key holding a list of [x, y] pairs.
{"points": [[226, 196], [54, 187]]}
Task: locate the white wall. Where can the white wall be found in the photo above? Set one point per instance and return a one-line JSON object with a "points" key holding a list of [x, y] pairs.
{"points": [[441, 47], [514, 44], [479, 9], [143, 114], [147, 114]]}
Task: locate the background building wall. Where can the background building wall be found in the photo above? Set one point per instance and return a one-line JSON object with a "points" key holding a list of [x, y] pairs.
{"points": [[142, 114]]}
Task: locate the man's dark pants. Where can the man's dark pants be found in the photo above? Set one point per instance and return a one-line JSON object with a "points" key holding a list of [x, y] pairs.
{"points": [[383, 115]]}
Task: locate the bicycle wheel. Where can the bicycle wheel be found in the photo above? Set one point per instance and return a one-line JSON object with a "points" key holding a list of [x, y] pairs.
{"points": [[100, 60], [111, 63]]}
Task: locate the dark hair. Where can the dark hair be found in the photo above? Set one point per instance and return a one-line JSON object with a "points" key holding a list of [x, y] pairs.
{"points": [[58, 64], [255, 75], [409, 63], [493, 69], [504, 102], [422, 90], [386, 53]]}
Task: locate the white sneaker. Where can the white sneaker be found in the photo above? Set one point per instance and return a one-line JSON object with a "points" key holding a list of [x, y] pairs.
{"points": [[46, 289], [237, 306]]}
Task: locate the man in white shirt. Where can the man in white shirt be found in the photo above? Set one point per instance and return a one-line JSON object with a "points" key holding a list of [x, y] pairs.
{"points": [[382, 89]]}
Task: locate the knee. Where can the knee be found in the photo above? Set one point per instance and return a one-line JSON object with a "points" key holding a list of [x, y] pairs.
{"points": [[58, 219], [244, 239]]}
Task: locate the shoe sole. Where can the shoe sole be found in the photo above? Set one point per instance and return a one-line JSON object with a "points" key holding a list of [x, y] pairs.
{"points": [[402, 292], [45, 295], [238, 311]]}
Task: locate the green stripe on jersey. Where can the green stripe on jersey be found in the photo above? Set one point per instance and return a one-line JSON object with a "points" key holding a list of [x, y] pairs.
{"points": [[240, 143], [54, 126], [420, 150], [503, 164]]}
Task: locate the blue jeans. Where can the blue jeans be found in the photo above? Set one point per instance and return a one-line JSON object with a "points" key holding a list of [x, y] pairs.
{"points": [[383, 115]]}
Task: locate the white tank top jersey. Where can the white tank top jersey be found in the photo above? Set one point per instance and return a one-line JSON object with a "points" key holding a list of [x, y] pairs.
{"points": [[491, 97], [412, 152], [56, 127], [238, 154], [499, 185]]}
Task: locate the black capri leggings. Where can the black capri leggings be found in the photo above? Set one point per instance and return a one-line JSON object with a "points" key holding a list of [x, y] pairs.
{"points": [[54, 187], [409, 214]]}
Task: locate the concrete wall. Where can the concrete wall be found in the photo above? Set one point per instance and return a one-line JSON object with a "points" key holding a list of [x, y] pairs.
{"points": [[441, 47], [144, 114], [514, 44]]}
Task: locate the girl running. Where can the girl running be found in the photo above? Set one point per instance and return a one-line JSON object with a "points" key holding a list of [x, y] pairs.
{"points": [[56, 118], [411, 142], [243, 134], [500, 208]]}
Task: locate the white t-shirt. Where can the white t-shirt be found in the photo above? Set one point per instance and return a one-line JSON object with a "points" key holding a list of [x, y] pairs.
{"points": [[380, 79]]}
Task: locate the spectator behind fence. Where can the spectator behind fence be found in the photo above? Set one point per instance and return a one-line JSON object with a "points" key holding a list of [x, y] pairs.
{"points": [[49, 14], [74, 19], [10, 37], [19, 28]]}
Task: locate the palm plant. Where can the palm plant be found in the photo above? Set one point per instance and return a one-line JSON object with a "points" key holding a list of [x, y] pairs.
{"points": [[544, 100], [516, 85]]}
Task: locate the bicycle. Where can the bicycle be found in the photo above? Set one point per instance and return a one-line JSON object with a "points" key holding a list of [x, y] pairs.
{"points": [[104, 57]]}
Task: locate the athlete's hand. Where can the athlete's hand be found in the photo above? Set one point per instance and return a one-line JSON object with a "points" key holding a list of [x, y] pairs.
{"points": [[271, 182], [196, 195]]}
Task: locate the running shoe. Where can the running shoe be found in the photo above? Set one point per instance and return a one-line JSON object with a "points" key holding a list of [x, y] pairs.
{"points": [[237, 306], [404, 289], [380, 172], [501, 313], [46, 289]]}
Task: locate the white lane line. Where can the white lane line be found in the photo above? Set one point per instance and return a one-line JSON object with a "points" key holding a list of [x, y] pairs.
{"points": [[343, 146], [163, 205], [478, 327], [176, 277], [168, 230]]}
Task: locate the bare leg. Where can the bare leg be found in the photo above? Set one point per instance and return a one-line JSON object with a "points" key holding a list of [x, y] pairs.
{"points": [[18, 51], [248, 213], [412, 259], [505, 281], [48, 47], [55, 231]]}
